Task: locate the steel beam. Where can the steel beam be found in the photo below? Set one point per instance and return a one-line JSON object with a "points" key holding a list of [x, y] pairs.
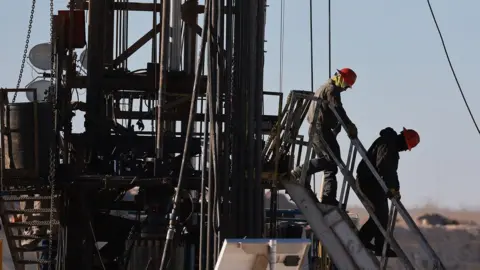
{"points": [[95, 62], [130, 6], [137, 45]]}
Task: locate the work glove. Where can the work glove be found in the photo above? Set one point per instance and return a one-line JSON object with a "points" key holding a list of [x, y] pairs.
{"points": [[352, 131], [394, 193]]}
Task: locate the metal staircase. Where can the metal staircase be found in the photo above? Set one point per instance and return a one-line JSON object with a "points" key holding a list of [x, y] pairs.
{"points": [[27, 197], [26, 223], [331, 225]]}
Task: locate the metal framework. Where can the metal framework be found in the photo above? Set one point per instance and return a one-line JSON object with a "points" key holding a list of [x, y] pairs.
{"points": [[191, 139], [212, 193]]}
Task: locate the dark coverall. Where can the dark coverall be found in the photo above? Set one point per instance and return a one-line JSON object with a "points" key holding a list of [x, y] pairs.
{"points": [[384, 156], [326, 123]]}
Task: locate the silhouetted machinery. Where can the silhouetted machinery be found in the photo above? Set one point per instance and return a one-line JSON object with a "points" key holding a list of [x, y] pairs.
{"points": [[64, 192], [171, 168]]}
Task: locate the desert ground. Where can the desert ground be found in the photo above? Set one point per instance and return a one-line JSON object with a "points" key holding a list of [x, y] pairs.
{"points": [[458, 244]]}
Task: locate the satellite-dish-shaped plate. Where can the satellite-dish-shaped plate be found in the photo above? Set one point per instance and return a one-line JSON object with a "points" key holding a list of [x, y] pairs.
{"points": [[41, 86], [40, 56], [83, 58]]}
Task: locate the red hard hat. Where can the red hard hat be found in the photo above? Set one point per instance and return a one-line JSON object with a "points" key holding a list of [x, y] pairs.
{"points": [[348, 75], [411, 138]]}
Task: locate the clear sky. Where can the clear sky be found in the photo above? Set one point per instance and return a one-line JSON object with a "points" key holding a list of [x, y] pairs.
{"points": [[403, 77]]}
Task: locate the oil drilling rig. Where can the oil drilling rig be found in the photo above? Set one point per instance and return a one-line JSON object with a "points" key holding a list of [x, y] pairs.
{"points": [[172, 111], [188, 130]]}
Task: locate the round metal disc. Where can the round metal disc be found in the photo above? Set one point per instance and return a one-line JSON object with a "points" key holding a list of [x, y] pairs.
{"points": [[40, 56], [41, 86]]}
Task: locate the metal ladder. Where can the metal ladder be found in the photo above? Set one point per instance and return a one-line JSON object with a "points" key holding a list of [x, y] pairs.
{"points": [[282, 141], [331, 225], [29, 234]]}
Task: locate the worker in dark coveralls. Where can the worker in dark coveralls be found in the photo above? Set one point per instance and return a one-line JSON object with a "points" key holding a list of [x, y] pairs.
{"points": [[384, 156], [328, 126]]}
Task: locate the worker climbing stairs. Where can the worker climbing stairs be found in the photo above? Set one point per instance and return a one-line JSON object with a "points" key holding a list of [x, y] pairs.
{"points": [[330, 224], [28, 226]]}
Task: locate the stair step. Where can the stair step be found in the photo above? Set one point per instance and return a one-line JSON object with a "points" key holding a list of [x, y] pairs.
{"points": [[30, 249], [23, 211], [32, 223], [39, 261], [29, 237], [43, 192], [10, 198]]}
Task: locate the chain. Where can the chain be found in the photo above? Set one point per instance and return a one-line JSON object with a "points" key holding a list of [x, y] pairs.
{"points": [[25, 50], [51, 176]]}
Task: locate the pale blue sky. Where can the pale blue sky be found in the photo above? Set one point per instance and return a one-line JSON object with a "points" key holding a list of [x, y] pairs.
{"points": [[403, 77]]}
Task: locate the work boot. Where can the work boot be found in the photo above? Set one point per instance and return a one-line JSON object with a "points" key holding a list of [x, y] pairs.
{"points": [[329, 201], [390, 253], [378, 252], [369, 246]]}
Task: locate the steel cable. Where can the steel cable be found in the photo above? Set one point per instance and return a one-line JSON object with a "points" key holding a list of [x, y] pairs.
{"points": [[451, 66]]}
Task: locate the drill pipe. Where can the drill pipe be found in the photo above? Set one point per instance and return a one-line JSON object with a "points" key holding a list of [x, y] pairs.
{"points": [[163, 72], [171, 227]]}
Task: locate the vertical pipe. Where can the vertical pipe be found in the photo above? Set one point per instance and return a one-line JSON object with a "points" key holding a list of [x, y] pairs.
{"points": [[116, 33], [202, 247], [273, 189], [125, 32], [164, 50], [227, 223], [208, 253], [221, 89], [241, 127], [95, 71], [212, 177], [154, 37], [210, 136], [189, 52], [236, 176], [211, 91], [121, 30], [250, 86], [66, 101], [259, 111], [230, 206], [213, 111], [176, 36], [154, 60], [312, 80], [199, 69]]}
